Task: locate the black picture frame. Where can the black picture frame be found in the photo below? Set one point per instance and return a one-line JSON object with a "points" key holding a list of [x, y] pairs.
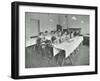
{"points": [[15, 39]]}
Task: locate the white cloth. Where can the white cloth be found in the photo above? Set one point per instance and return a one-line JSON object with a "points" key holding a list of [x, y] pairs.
{"points": [[31, 42], [68, 46], [48, 37]]}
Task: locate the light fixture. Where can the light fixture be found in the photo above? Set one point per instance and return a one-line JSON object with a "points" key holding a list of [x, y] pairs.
{"points": [[74, 18]]}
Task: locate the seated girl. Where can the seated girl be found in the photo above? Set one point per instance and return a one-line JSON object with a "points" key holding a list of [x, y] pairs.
{"points": [[40, 43], [55, 38], [43, 46], [41, 39], [65, 36]]}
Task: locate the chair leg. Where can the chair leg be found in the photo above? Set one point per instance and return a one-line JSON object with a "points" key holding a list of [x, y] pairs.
{"points": [[63, 62], [70, 60]]}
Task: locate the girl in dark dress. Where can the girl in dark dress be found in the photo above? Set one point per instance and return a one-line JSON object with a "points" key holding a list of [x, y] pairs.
{"points": [[41, 43], [44, 46]]}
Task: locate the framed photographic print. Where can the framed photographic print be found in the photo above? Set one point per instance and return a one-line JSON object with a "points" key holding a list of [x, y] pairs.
{"points": [[50, 40]]}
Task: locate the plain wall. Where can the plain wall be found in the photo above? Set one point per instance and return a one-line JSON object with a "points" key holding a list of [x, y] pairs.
{"points": [[45, 20], [82, 21], [63, 21]]}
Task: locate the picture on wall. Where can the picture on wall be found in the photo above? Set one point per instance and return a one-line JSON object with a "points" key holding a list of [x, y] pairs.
{"points": [[51, 40]]}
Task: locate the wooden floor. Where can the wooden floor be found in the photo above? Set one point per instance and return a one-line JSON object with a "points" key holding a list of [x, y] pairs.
{"points": [[33, 59]]}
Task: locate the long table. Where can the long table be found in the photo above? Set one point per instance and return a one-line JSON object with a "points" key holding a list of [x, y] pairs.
{"points": [[68, 46]]}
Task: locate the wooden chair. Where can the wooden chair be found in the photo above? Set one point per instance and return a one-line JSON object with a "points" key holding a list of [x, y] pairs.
{"points": [[59, 58]]}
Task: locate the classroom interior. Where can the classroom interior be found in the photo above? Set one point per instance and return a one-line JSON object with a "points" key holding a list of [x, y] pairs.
{"points": [[72, 51]]}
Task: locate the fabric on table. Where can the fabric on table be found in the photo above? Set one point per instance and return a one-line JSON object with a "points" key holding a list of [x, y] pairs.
{"points": [[68, 46]]}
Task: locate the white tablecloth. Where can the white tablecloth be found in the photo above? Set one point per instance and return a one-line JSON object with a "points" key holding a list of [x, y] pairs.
{"points": [[31, 42], [68, 46]]}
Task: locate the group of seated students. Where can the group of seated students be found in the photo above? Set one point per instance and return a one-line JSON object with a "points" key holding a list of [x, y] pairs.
{"points": [[45, 46], [59, 37], [56, 37]]}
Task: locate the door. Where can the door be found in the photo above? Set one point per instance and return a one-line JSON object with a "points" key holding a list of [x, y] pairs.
{"points": [[34, 28]]}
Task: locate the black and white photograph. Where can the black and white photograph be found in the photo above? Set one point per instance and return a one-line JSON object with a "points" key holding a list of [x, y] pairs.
{"points": [[53, 40]]}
